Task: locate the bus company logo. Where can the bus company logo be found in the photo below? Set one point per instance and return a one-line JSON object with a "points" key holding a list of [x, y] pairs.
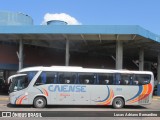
{"points": [[67, 88], [6, 114]]}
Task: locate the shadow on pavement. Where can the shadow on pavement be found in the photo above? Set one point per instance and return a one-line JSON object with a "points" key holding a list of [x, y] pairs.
{"points": [[19, 106], [75, 106]]}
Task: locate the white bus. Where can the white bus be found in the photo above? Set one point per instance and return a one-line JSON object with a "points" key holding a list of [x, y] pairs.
{"points": [[58, 85]]}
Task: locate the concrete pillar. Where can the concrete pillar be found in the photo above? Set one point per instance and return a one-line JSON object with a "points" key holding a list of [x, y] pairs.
{"points": [[67, 53], [158, 68], [20, 56], [158, 75], [119, 54], [141, 59]]}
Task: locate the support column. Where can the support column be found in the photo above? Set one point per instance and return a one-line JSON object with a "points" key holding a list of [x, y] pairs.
{"points": [[158, 75], [67, 53], [20, 56], [119, 54], [141, 59]]}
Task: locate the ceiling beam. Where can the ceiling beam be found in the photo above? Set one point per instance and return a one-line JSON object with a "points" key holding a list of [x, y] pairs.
{"points": [[100, 39], [117, 36], [82, 36], [65, 36], [134, 37]]}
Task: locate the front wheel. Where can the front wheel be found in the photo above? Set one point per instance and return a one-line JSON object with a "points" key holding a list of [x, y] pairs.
{"points": [[39, 102], [118, 103]]}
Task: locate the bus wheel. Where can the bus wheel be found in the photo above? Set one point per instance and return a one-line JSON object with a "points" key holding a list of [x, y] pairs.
{"points": [[39, 102], [118, 103]]}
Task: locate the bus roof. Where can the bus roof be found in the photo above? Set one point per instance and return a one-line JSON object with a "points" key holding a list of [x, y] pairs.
{"points": [[79, 69]]}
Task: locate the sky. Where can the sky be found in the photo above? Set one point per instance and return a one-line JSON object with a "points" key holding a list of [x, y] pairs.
{"points": [[145, 13]]}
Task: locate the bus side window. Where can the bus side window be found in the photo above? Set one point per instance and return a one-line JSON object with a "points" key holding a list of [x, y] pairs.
{"points": [[61, 78], [105, 79], [31, 75], [135, 80], [87, 78], [41, 79], [67, 78], [50, 77], [117, 79], [126, 79], [142, 79], [46, 77]]}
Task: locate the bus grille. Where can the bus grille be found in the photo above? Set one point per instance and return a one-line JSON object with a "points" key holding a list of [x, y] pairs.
{"points": [[146, 100]]}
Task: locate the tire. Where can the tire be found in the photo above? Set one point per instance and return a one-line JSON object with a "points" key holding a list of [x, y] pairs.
{"points": [[118, 103], [39, 102]]}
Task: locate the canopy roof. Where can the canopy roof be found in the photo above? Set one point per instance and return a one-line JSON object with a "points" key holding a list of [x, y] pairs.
{"points": [[100, 39]]}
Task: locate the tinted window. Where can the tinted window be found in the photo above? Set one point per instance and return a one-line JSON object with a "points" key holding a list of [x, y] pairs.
{"points": [[105, 79], [30, 74], [46, 77], [67, 78], [126, 79], [141, 79], [87, 78]]}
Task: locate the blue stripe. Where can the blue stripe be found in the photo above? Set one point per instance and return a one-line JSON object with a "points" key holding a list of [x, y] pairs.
{"points": [[40, 90], [138, 93], [106, 97]]}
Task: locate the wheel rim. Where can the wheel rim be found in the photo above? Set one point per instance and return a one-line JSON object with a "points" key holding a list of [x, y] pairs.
{"points": [[118, 103], [39, 102]]}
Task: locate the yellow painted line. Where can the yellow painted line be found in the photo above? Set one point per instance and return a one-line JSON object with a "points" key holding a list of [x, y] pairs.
{"points": [[155, 99], [4, 99], [156, 96]]}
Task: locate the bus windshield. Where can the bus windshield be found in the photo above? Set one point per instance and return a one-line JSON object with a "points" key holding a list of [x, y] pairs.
{"points": [[19, 83]]}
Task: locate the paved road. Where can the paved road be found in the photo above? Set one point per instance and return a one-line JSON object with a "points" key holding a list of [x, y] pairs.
{"points": [[94, 110], [4, 105]]}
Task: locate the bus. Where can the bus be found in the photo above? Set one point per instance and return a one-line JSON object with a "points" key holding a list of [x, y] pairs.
{"points": [[61, 85]]}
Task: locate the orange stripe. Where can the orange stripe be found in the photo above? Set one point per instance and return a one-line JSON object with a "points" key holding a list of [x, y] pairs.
{"points": [[20, 102], [109, 99], [17, 101], [145, 89], [144, 92], [148, 93], [45, 92], [136, 97], [149, 86]]}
